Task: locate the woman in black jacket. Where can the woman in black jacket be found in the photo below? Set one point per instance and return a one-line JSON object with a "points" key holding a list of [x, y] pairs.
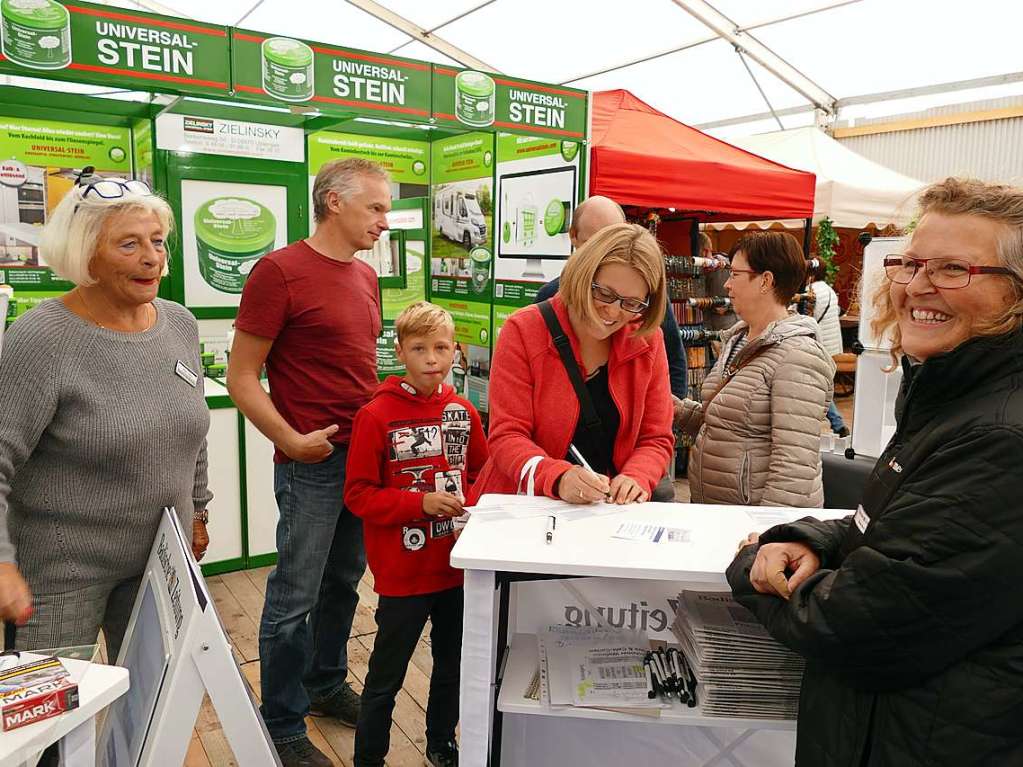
{"points": [[910, 612]]}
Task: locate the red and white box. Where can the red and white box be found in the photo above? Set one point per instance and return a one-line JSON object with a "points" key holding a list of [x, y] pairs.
{"points": [[35, 691]]}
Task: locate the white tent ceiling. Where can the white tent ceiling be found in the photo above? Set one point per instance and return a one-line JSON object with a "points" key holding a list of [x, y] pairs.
{"points": [[852, 49]]}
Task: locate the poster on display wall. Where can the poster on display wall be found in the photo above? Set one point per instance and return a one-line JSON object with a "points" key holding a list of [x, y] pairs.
{"points": [[408, 163], [226, 227], [461, 253], [538, 183], [39, 163]]}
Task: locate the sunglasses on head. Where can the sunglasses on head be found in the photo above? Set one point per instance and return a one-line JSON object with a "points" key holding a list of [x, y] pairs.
{"points": [[107, 188]]}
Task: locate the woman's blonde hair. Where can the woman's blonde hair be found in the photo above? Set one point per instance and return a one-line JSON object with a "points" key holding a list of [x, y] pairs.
{"points": [[968, 197], [69, 240], [626, 244]]}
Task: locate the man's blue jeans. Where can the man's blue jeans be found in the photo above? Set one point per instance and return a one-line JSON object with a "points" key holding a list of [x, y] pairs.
{"points": [[835, 418], [320, 561]]}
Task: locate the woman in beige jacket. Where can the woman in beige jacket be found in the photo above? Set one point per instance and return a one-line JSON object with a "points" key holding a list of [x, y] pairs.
{"points": [[758, 429]]}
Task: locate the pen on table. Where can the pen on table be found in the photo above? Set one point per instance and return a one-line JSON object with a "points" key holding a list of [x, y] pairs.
{"points": [[552, 522], [579, 459]]}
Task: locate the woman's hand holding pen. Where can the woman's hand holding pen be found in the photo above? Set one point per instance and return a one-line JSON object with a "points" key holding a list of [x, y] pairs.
{"points": [[577, 485]]}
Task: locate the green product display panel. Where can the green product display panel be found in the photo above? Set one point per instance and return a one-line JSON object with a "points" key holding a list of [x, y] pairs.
{"points": [[407, 162], [281, 70], [39, 160], [468, 99], [123, 48], [230, 213], [462, 219]]}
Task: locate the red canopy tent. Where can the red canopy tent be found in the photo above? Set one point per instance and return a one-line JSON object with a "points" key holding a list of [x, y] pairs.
{"points": [[641, 157]]}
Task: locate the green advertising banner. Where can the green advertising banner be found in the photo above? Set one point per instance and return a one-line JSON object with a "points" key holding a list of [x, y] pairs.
{"points": [[276, 70], [511, 146], [462, 238], [113, 46], [39, 161], [467, 98], [408, 162]]}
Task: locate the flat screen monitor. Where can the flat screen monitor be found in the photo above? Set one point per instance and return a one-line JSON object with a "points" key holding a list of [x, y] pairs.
{"points": [[534, 213]]}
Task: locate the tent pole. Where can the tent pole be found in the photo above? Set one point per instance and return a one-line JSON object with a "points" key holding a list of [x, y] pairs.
{"points": [[807, 231]]}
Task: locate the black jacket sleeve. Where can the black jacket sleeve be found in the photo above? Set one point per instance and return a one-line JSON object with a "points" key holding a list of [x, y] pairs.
{"points": [[676, 352], [937, 577]]}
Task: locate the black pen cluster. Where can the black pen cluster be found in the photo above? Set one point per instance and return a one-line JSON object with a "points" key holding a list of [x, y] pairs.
{"points": [[669, 675]]}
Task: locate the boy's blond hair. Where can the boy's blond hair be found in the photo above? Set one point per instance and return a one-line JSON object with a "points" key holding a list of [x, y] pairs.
{"points": [[422, 319]]}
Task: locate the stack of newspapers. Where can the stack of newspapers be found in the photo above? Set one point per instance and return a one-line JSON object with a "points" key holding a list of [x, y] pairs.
{"points": [[740, 670], [595, 667]]}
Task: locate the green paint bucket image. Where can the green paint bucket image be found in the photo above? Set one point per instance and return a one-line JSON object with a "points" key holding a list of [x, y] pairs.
{"points": [[231, 234], [287, 69], [117, 154], [36, 33], [526, 232], [475, 98], [480, 258], [554, 217], [569, 149], [419, 167]]}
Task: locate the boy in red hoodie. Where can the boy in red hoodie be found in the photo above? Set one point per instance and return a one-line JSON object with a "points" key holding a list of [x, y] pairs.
{"points": [[415, 449]]}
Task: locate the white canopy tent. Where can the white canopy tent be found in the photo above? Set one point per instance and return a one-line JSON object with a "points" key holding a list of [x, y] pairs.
{"points": [[734, 67], [851, 190]]}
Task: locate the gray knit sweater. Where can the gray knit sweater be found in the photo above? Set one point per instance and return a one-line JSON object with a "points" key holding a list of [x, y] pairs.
{"points": [[97, 434]]}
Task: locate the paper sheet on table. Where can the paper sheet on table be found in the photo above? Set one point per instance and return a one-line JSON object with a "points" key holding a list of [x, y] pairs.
{"points": [[769, 517], [650, 532], [492, 508]]}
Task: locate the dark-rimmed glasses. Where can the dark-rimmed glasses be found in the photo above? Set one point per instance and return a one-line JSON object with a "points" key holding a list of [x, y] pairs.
{"points": [[108, 188], [945, 273], [608, 296]]}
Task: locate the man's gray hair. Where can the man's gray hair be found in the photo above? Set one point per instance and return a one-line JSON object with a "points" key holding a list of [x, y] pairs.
{"points": [[344, 177]]}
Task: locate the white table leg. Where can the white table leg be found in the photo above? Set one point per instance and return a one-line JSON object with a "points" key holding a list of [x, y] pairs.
{"points": [[78, 747], [479, 660]]}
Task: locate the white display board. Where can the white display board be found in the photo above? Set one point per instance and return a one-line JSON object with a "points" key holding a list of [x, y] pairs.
{"points": [[214, 275], [877, 381], [230, 138], [176, 650]]}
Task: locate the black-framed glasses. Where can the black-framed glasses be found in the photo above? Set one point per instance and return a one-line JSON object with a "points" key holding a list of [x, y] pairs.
{"points": [[108, 188], [608, 296], [946, 273]]}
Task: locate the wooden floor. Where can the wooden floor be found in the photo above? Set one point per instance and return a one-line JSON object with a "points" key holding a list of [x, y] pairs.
{"points": [[239, 600]]}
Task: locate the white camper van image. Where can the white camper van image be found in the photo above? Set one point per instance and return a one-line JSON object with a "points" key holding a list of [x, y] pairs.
{"points": [[457, 216]]}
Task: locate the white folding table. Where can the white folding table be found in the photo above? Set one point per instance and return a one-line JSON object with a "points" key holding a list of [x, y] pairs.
{"points": [[499, 726]]}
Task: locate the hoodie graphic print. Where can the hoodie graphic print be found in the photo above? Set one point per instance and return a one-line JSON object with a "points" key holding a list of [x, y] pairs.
{"points": [[403, 446]]}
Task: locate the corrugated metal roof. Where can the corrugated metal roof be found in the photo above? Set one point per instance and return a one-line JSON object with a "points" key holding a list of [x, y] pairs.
{"points": [[991, 150]]}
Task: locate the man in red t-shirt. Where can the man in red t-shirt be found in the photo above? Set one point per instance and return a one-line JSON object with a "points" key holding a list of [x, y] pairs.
{"points": [[310, 313]]}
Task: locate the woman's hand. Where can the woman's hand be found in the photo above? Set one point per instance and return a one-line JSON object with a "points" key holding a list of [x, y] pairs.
{"points": [[577, 485], [775, 559], [624, 489], [200, 539], [15, 597]]}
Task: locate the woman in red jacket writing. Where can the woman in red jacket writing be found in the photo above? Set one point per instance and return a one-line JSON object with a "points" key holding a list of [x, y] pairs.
{"points": [[609, 308]]}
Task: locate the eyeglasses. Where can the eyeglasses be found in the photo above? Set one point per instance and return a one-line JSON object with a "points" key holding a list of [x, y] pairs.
{"points": [[608, 296], [946, 273], [108, 188]]}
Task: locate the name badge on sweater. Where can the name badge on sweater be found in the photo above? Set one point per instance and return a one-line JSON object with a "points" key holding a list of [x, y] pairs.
{"points": [[182, 371], [861, 519]]}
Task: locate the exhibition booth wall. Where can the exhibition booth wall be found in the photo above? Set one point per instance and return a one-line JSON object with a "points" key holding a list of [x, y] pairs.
{"points": [[486, 171]]}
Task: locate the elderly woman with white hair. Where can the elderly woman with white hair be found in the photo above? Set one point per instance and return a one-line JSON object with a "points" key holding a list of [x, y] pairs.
{"points": [[103, 422]]}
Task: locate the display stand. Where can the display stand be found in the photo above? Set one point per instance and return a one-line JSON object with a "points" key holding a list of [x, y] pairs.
{"points": [[502, 557], [176, 651]]}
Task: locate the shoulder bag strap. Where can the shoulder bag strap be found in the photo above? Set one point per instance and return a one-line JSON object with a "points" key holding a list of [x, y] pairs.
{"points": [[727, 374], [588, 412]]}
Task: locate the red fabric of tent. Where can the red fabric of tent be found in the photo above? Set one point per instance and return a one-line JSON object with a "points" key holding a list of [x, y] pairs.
{"points": [[642, 157]]}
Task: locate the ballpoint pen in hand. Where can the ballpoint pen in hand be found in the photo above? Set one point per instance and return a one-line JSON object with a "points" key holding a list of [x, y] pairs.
{"points": [[574, 452]]}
